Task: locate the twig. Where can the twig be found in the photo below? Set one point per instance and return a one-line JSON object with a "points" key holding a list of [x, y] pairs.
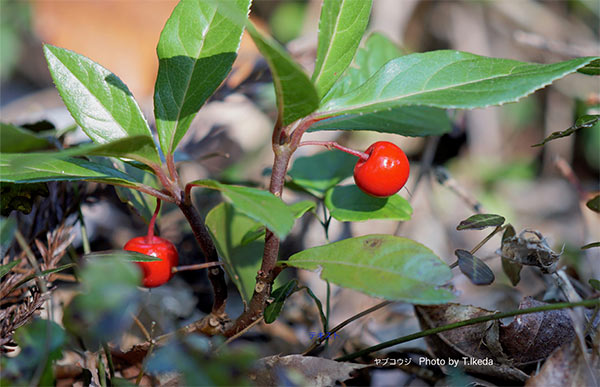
{"points": [[197, 266], [333, 144], [230, 339], [338, 327], [476, 320]]}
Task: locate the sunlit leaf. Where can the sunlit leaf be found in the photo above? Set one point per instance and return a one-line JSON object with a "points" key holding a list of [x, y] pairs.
{"points": [[349, 204]]}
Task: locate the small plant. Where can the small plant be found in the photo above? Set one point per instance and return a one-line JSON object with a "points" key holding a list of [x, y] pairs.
{"points": [[351, 88]]}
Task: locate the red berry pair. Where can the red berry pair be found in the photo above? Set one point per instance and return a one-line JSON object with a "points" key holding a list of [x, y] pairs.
{"points": [[155, 273], [384, 172]]}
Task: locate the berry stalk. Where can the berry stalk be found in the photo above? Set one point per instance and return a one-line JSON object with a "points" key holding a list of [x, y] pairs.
{"points": [[333, 144], [150, 234]]}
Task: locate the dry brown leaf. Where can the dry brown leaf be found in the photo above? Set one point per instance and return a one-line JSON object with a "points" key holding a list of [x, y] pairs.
{"points": [[567, 367], [315, 371], [530, 251], [464, 343], [532, 337]]}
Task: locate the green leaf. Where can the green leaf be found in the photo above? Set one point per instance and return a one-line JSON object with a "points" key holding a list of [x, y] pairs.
{"points": [[8, 227], [196, 50], [341, 27], [586, 121], [98, 100], [448, 79], [262, 206], [308, 172], [405, 120], [474, 268], [5, 269], [42, 167], [384, 266], [125, 255], [349, 204], [295, 93], [481, 221], [590, 245], [512, 270], [279, 296], [41, 343], [594, 203], [413, 121], [594, 283], [302, 207], [592, 68], [228, 226], [14, 139], [377, 51]]}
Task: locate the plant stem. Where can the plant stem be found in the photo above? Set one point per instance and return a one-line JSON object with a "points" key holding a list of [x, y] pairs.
{"points": [[480, 244], [476, 320], [338, 327], [333, 144], [198, 266], [215, 274], [150, 234]]}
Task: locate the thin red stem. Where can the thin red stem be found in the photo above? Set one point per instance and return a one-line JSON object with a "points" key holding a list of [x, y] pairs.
{"points": [[150, 234], [198, 266], [333, 144]]}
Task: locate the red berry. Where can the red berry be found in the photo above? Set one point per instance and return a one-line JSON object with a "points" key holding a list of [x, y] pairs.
{"points": [[385, 171], [155, 273]]}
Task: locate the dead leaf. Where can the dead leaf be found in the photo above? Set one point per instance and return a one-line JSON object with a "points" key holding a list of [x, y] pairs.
{"points": [[466, 342], [567, 367], [532, 337], [530, 251], [315, 371]]}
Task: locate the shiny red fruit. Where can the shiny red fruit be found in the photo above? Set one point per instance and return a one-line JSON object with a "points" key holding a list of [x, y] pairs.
{"points": [[385, 171], [155, 273]]}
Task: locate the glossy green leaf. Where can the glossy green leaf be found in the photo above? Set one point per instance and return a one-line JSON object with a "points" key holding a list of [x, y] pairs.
{"points": [[8, 226], [474, 268], [98, 100], [279, 296], [40, 343], [448, 79], [196, 50], [302, 207], [125, 255], [481, 221], [262, 206], [14, 139], [349, 204], [413, 121], [405, 120], [41, 167], [341, 27], [594, 203], [228, 226], [308, 171], [586, 121], [592, 68], [5, 269], [383, 266]]}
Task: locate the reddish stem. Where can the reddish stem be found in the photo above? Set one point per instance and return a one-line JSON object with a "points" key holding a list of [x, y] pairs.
{"points": [[150, 234], [198, 266], [333, 144]]}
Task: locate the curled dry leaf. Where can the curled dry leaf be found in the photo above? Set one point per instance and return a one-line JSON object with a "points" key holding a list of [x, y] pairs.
{"points": [[568, 367], [315, 371], [533, 251], [466, 344], [532, 337]]}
